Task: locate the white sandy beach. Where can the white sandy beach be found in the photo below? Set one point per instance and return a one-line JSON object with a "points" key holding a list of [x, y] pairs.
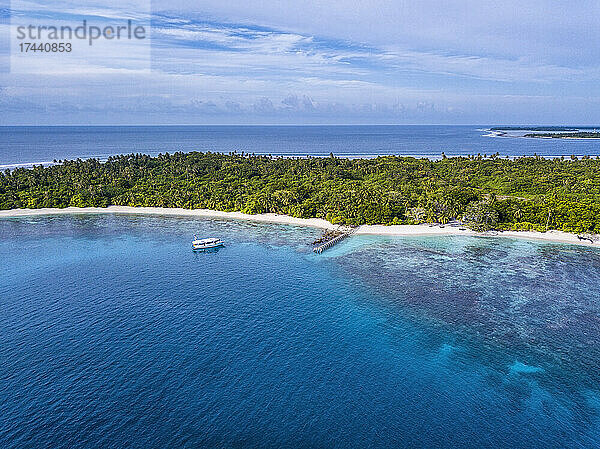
{"points": [[394, 230], [424, 229], [171, 211]]}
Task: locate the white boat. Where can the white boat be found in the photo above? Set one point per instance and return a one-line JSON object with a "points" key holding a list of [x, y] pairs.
{"points": [[206, 243]]}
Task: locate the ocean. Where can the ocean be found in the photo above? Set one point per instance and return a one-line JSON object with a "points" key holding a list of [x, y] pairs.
{"points": [[114, 334], [25, 145]]}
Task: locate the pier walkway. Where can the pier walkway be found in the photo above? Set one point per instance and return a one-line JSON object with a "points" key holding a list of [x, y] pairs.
{"points": [[332, 242]]}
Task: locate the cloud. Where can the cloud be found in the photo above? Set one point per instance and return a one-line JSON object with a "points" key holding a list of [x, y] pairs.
{"points": [[537, 28], [222, 46], [375, 61], [296, 103]]}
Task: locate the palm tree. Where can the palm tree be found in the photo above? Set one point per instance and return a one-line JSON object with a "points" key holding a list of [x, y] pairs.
{"points": [[416, 214], [548, 219], [518, 213]]}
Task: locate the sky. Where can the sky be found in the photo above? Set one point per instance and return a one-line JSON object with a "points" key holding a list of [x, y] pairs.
{"points": [[309, 62]]}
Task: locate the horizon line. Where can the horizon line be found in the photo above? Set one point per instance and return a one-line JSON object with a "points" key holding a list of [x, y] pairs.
{"points": [[304, 125]]}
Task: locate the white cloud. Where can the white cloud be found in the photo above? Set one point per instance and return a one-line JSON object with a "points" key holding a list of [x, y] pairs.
{"points": [[379, 60], [545, 29]]}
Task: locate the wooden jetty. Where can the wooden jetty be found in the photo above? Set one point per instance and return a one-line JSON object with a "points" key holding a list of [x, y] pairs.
{"points": [[332, 242]]}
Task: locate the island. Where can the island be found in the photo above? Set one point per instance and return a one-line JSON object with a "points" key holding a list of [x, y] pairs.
{"points": [[536, 128], [483, 193], [547, 132], [566, 135]]}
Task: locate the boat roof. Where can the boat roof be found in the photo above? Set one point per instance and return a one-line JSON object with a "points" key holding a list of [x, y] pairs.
{"points": [[206, 240]]}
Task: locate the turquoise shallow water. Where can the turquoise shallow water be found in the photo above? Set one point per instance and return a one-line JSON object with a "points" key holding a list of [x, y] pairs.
{"points": [[114, 334]]}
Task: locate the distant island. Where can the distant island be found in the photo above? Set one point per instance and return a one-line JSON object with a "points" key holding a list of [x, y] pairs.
{"points": [[564, 135], [528, 193], [547, 132], [537, 128]]}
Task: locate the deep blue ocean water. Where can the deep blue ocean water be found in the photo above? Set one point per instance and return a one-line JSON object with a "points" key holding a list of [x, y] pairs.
{"points": [[27, 145], [114, 334]]}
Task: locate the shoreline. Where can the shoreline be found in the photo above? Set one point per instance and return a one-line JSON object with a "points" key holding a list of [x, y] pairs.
{"points": [[392, 230], [562, 137], [170, 211]]}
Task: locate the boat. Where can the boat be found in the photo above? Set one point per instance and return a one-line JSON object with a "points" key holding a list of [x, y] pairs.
{"points": [[199, 244]]}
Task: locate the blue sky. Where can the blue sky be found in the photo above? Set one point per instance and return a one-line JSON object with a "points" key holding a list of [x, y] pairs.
{"points": [[255, 62]]}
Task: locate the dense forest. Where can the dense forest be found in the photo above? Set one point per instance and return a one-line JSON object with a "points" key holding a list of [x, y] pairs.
{"points": [[536, 128], [574, 135], [484, 192]]}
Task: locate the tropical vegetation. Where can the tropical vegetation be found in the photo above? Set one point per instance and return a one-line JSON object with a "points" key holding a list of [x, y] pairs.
{"points": [[573, 135], [528, 193]]}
